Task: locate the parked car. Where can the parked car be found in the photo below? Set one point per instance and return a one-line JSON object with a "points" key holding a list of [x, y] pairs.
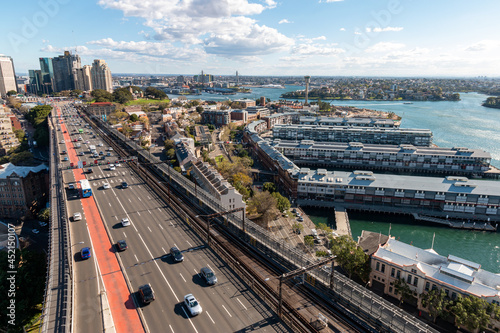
{"points": [[147, 293], [176, 254], [85, 252], [209, 275], [192, 305], [77, 216]]}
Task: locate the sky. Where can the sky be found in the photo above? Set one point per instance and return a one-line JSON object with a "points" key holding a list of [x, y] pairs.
{"points": [[260, 37]]}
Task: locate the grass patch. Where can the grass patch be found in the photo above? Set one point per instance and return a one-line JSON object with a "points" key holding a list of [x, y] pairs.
{"points": [[34, 325], [219, 159], [143, 101]]}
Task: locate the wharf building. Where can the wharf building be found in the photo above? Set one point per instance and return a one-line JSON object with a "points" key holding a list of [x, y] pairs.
{"points": [[452, 196], [352, 121], [394, 158], [426, 270], [378, 135]]}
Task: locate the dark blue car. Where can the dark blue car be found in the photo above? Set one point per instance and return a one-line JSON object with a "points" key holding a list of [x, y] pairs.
{"points": [[85, 253]]}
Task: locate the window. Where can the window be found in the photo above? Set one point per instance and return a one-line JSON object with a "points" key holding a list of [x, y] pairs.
{"points": [[434, 287], [390, 290], [398, 274], [447, 292], [408, 280], [393, 272], [454, 296], [383, 268], [414, 271], [377, 267], [415, 281], [427, 286]]}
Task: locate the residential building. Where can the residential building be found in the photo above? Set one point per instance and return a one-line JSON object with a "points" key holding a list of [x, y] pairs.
{"points": [[64, 67], [23, 190], [101, 76], [211, 181], [101, 108], [185, 153], [84, 78], [259, 111], [239, 115], [8, 139], [217, 117], [377, 135], [7, 75], [245, 102], [47, 76], [426, 270]]}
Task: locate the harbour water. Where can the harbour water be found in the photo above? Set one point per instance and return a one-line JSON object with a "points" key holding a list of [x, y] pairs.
{"points": [[454, 124]]}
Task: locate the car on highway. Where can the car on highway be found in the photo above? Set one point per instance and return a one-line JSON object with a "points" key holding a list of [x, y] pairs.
{"points": [[81, 153], [300, 219], [118, 164], [147, 293], [192, 305], [77, 216], [101, 153], [112, 167], [85, 253], [71, 186], [125, 222], [89, 170], [124, 185], [106, 186], [66, 159], [121, 245], [209, 276], [63, 152], [62, 141], [100, 145], [176, 254]]}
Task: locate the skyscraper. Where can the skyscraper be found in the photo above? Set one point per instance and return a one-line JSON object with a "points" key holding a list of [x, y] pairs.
{"points": [[84, 78], [64, 67], [101, 76], [7, 75], [35, 85], [47, 78]]}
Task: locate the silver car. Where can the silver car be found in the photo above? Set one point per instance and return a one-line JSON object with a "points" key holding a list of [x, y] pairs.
{"points": [[192, 305], [209, 275]]}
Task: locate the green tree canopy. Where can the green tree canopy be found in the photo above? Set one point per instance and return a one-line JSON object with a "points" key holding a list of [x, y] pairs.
{"points": [[122, 95], [436, 302], [269, 187], [282, 203], [101, 95], [199, 109], [350, 256], [403, 289], [134, 117], [44, 215], [11, 93], [471, 312]]}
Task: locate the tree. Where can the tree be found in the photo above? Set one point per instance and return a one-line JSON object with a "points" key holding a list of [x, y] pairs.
{"points": [[309, 241], [11, 93], [126, 130], [76, 92], [169, 144], [471, 312], [282, 203], [296, 226], [263, 204], [269, 187], [435, 301], [170, 153], [403, 289], [122, 95], [242, 178], [101, 95], [44, 215], [134, 117], [350, 256], [200, 109], [19, 134]]}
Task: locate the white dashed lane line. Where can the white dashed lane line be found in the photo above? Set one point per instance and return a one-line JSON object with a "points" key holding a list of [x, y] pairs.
{"points": [[242, 304], [182, 277], [226, 311], [149, 229], [210, 317]]}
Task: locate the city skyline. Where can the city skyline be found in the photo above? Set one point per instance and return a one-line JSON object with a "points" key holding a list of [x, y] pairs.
{"points": [[266, 37]]}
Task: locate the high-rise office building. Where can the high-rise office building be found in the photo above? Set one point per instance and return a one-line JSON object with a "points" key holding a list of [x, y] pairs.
{"points": [[64, 67], [84, 78], [101, 76], [35, 79], [47, 72], [7, 75]]}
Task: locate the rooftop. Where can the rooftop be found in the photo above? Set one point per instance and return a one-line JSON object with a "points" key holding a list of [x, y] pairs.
{"points": [[8, 169]]}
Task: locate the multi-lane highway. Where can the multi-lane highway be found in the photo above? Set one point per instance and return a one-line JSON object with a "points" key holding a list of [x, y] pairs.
{"points": [[227, 306]]}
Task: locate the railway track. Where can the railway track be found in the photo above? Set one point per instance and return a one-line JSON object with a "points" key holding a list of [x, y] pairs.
{"points": [[258, 271]]}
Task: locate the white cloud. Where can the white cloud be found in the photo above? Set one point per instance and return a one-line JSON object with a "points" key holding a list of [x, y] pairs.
{"points": [[328, 1], [342, 29], [316, 50], [357, 33], [384, 47], [393, 29], [484, 45], [222, 27], [284, 21]]}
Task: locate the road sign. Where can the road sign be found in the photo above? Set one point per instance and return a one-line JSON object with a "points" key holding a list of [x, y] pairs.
{"points": [[80, 165]]}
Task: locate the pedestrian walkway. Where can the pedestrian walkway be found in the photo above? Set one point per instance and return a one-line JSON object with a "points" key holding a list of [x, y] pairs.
{"points": [[342, 221]]}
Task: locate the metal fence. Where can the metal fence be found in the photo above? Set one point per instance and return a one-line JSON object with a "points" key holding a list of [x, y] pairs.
{"points": [[58, 297], [361, 301]]}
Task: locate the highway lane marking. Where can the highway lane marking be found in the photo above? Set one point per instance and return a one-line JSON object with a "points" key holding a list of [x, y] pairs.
{"points": [[139, 198], [226, 311], [124, 234], [149, 197], [129, 200], [241, 304], [149, 229], [171, 328], [198, 274], [160, 226], [189, 320], [136, 259], [110, 205], [163, 275], [209, 316], [138, 213], [189, 244], [163, 249], [149, 212], [182, 277]]}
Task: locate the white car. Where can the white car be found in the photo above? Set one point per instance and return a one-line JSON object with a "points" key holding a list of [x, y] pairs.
{"points": [[100, 145], [62, 141], [112, 167], [125, 222], [77, 216], [192, 305], [118, 165], [106, 186]]}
